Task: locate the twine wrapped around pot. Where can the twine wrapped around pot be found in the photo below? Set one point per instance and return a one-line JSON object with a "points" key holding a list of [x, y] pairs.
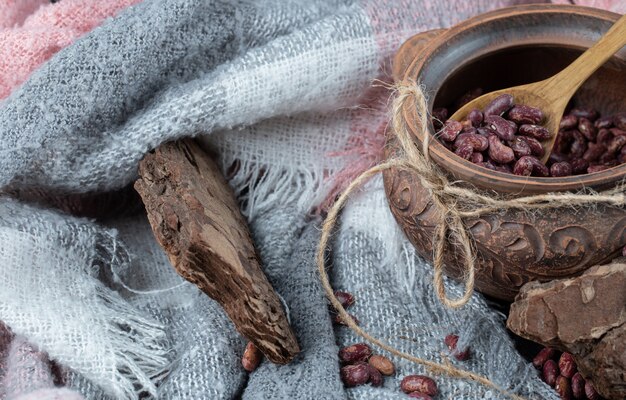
{"points": [[456, 201]]}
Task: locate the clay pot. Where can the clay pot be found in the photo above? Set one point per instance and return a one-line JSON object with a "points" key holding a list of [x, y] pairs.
{"points": [[500, 49]]}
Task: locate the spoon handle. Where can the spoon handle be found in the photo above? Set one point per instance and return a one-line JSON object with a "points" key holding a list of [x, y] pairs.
{"points": [[562, 85]]}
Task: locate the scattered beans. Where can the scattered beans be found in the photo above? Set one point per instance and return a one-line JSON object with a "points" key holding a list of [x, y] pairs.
{"points": [[418, 383], [346, 299], [550, 372], [590, 391], [563, 388], [451, 341], [382, 364], [359, 366], [376, 378], [355, 374], [586, 142], [567, 365], [562, 376], [252, 357], [354, 353], [547, 353], [578, 386]]}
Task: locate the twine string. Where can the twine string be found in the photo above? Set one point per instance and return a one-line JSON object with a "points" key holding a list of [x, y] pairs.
{"points": [[454, 203]]}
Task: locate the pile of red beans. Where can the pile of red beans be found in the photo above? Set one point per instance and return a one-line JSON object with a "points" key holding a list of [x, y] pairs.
{"points": [[507, 137]]}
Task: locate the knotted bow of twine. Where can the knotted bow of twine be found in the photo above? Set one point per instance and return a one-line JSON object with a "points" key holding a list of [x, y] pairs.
{"points": [[455, 201]]}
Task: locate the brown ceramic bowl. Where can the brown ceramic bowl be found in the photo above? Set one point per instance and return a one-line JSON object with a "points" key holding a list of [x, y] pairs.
{"points": [[496, 50]]}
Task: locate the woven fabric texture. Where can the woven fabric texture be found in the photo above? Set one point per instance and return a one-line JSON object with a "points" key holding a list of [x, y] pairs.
{"points": [[290, 96]]}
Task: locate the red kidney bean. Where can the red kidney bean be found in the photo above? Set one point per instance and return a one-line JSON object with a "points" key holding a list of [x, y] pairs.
{"points": [[485, 131], [499, 152], [590, 391], [450, 130], [355, 352], [419, 383], [617, 132], [587, 129], [529, 165], [355, 375], [476, 117], [578, 146], [478, 142], [568, 122], [604, 136], [579, 166], [476, 158], [451, 341], [563, 141], [607, 158], [501, 126], [578, 386], [376, 378], [499, 105], [557, 157], [550, 372], [588, 113], [346, 299], [567, 365], [520, 147], [522, 114], [619, 121], [604, 122], [562, 168], [536, 149], [464, 150], [563, 388], [535, 131], [594, 151], [547, 353]]}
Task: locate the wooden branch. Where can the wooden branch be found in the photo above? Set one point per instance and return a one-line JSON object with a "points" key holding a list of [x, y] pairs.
{"points": [[196, 219], [585, 316]]}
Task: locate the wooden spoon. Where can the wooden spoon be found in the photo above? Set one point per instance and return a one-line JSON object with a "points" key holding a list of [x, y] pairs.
{"points": [[552, 95]]}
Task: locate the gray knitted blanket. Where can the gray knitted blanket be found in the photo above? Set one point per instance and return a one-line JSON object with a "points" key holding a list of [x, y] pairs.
{"points": [[281, 89]]}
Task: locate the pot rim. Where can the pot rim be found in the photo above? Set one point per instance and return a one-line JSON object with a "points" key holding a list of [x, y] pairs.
{"points": [[484, 177]]}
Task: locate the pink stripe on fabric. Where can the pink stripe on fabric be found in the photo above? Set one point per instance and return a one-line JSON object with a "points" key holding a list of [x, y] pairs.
{"points": [[14, 12], [31, 35]]}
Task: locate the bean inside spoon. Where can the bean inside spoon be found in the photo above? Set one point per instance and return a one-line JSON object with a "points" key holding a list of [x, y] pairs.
{"points": [[552, 95]]}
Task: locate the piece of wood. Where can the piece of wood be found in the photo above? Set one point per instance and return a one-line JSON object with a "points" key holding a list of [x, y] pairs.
{"points": [[552, 95], [585, 316], [196, 219]]}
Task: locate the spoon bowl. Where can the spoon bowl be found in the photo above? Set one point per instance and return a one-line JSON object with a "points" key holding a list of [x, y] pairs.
{"points": [[552, 95]]}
